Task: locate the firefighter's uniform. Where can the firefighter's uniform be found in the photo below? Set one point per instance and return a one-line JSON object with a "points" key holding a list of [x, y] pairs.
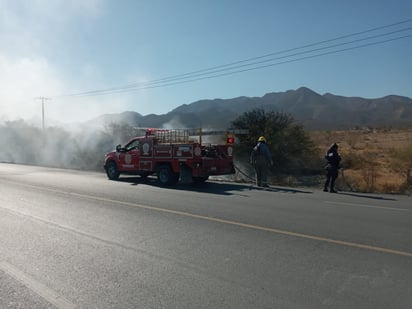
{"points": [[261, 158]]}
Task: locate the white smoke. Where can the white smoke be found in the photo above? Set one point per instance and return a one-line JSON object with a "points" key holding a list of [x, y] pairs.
{"points": [[53, 146]]}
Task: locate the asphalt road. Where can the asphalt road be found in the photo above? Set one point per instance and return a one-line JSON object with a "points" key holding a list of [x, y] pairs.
{"points": [[73, 239]]}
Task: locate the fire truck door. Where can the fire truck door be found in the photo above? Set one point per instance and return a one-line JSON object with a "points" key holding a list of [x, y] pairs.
{"points": [[146, 155], [129, 159]]}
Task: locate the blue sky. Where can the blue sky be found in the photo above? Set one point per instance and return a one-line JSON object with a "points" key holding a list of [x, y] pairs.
{"points": [[57, 47]]}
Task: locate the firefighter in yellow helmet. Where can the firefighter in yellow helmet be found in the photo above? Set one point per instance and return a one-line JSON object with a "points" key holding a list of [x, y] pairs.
{"points": [[261, 158]]}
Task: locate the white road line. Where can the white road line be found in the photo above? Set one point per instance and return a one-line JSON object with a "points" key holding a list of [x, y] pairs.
{"points": [[367, 206], [37, 287], [229, 222]]}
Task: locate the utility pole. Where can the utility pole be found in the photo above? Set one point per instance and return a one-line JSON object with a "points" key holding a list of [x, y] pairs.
{"points": [[43, 100]]}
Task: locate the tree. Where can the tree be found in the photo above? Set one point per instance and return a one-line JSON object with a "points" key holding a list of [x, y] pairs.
{"points": [[292, 150]]}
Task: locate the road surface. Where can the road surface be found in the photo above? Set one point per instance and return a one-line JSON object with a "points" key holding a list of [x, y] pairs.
{"points": [[73, 239]]}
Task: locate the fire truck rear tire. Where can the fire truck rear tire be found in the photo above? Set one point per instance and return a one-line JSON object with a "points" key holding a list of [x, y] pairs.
{"points": [[166, 176], [112, 171]]}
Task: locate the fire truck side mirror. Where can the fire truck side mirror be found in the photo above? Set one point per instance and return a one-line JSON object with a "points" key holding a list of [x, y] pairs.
{"points": [[119, 148]]}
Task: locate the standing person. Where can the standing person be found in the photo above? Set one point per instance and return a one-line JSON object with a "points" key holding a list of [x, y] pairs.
{"points": [[261, 158], [332, 168]]}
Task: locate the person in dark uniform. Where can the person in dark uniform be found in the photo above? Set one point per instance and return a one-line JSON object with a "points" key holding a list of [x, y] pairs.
{"points": [[261, 158], [332, 168]]}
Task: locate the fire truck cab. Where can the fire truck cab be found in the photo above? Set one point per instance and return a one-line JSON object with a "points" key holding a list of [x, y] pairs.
{"points": [[172, 155]]}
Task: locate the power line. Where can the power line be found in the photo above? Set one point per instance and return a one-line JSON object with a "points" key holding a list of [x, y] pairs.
{"points": [[239, 66], [209, 70], [248, 69], [217, 74], [279, 58]]}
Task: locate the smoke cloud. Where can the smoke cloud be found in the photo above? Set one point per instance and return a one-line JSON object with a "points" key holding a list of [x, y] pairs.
{"points": [[23, 143]]}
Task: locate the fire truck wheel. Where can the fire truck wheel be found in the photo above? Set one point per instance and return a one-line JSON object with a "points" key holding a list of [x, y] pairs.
{"points": [[111, 171], [166, 177]]}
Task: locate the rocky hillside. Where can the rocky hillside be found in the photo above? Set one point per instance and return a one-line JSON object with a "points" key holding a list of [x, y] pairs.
{"points": [[313, 110]]}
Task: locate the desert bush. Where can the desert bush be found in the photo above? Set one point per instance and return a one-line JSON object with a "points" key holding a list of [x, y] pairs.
{"points": [[391, 188], [401, 162], [353, 161], [292, 150]]}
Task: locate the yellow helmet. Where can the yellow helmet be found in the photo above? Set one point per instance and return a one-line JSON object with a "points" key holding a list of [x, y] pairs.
{"points": [[262, 139]]}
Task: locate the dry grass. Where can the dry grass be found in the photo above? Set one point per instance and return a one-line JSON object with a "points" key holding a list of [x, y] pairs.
{"points": [[365, 157]]}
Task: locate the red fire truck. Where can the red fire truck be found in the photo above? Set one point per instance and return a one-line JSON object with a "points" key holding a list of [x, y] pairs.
{"points": [[172, 155]]}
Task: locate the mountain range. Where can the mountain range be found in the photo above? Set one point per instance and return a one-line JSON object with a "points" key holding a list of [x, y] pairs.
{"points": [[314, 111]]}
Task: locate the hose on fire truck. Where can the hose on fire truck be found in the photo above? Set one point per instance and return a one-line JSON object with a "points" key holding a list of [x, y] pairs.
{"points": [[243, 173]]}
